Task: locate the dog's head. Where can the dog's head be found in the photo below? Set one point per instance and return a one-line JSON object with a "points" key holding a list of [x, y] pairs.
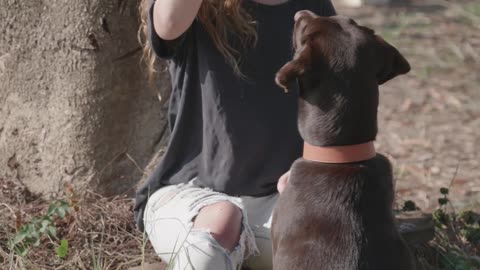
{"points": [[338, 65], [340, 45]]}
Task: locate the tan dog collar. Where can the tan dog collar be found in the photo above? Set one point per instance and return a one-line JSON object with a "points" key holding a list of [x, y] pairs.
{"points": [[339, 154]]}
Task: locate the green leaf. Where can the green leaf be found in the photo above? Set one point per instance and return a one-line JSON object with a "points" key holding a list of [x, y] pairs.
{"points": [[21, 251], [34, 234], [21, 235], [35, 221], [62, 250], [473, 236], [52, 231], [11, 244], [409, 206], [44, 225], [36, 243], [51, 209], [17, 240], [440, 216], [63, 204], [443, 201], [444, 191], [61, 212], [47, 219], [30, 230], [468, 217]]}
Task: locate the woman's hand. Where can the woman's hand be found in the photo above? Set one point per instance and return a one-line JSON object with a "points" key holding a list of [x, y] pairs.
{"points": [[283, 181]]}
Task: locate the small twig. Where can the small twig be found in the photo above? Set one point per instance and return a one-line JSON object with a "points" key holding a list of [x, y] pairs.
{"points": [[10, 255], [110, 162], [8, 207], [134, 163]]}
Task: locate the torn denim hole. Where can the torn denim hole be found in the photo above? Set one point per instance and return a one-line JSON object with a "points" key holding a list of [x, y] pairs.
{"points": [[233, 259], [247, 245], [190, 200]]}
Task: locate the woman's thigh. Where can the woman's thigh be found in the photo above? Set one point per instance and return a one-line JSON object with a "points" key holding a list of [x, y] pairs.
{"points": [[169, 216]]}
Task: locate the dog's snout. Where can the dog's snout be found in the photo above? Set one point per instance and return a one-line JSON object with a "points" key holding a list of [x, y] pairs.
{"points": [[303, 13]]}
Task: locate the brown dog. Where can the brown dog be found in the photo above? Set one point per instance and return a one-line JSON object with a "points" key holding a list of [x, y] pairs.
{"points": [[336, 211]]}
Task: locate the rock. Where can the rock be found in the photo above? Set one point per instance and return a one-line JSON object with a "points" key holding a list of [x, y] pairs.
{"points": [[416, 227]]}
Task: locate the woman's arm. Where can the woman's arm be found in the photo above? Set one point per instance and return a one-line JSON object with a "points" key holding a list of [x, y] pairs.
{"points": [[171, 18]]}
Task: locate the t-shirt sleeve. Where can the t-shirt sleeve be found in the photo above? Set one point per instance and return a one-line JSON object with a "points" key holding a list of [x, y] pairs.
{"points": [[163, 48]]}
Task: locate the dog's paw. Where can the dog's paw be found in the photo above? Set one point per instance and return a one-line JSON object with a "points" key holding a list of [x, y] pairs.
{"points": [[282, 182]]}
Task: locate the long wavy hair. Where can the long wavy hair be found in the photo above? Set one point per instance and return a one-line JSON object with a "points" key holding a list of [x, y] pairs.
{"points": [[219, 18]]}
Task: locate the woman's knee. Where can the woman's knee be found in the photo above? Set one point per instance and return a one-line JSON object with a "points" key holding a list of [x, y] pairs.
{"points": [[223, 220]]}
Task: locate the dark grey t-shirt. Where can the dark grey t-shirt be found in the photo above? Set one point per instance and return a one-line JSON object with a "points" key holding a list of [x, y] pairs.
{"points": [[236, 136]]}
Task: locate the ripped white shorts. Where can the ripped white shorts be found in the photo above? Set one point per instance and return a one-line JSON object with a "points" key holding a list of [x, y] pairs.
{"points": [[169, 226]]}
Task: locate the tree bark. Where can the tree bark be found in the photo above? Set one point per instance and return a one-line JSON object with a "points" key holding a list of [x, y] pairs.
{"points": [[75, 104]]}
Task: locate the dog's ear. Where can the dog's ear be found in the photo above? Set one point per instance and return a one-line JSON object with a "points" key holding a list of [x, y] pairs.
{"points": [[392, 62], [289, 73]]}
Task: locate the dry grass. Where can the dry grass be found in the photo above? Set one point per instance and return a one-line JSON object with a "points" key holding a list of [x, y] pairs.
{"points": [[100, 232], [101, 235]]}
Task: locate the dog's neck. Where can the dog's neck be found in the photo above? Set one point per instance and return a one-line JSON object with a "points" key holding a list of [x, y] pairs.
{"points": [[332, 114], [339, 154]]}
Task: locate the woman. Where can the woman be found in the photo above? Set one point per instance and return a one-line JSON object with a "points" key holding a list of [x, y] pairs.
{"points": [[208, 204]]}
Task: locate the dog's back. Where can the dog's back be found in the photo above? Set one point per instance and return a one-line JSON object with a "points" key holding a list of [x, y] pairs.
{"points": [[352, 230]]}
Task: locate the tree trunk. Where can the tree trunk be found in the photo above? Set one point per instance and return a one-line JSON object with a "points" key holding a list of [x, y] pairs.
{"points": [[75, 105]]}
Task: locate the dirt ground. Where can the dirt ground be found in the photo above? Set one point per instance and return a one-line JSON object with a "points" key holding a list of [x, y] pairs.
{"points": [[429, 126], [429, 120]]}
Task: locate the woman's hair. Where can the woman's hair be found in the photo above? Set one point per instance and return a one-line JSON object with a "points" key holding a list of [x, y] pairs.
{"points": [[219, 18]]}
